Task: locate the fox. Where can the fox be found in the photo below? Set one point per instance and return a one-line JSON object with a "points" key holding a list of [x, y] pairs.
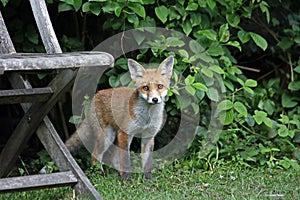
{"points": [[117, 115]]}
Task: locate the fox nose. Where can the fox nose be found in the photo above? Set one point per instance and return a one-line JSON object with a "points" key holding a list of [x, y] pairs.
{"points": [[155, 100]]}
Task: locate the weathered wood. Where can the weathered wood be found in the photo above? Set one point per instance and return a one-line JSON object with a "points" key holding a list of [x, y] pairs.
{"points": [[31, 121], [58, 179], [19, 62], [45, 27], [63, 159], [6, 45], [25, 95], [56, 148], [37, 111], [17, 81]]}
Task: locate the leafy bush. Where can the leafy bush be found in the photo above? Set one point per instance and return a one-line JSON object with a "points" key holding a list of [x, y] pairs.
{"points": [[247, 67]]}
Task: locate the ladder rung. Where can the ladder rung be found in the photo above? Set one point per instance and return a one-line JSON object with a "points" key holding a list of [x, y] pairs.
{"points": [[21, 183], [25, 95]]}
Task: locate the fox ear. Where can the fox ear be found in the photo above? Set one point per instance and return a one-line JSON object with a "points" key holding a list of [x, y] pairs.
{"points": [[166, 67], [136, 70]]}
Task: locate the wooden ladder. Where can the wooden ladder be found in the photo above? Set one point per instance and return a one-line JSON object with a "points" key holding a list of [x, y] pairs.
{"points": [[37, 102]]}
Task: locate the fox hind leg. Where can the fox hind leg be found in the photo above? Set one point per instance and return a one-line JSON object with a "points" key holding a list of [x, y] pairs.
{"points": [[104, 139]]}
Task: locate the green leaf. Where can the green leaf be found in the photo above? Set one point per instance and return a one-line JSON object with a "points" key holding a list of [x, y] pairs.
{"points": [[4, 2], [209, 33], [213, 94], [294, 86], [187, 27], [211, 4], [243, 36], [269, 106], [74, 4], [234, 44], [226, 117], [250, 121], [200, 86], [62, 7], [249, 90], [250, 83], [195, 107], [285, 43], [192, 6], [240, 81], [205, 57], [287, 101], [118, 11], [175, 91], [282, 130], [133, 18], [174, 42], [207, 72], [264, 8], [259, 40], [136, 1], [189, 80], [75, 119], [94, 8], [233, 19], [229, 85], [148, 2], [195, 19], [224, 33], [260, 116], [241, 108], [190, 89], [217, 69], [196, 47], [98, 0], [268, 122], [139, 37], [183, 53], [162, 13], [125, 79], [297, 69], [77, 4], [138, 9], [225, 105], [297, 40], [86, 7], [215, 49], [113, 82]]}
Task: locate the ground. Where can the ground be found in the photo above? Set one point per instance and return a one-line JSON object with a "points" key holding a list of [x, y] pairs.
{"points": [[224, 182]]}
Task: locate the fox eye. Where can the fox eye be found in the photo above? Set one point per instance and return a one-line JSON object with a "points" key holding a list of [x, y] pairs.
{"points": [[160, 86], [146, 88]]}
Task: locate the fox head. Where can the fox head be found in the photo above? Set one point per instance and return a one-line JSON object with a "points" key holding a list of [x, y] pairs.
{"points": [[152, 84]]}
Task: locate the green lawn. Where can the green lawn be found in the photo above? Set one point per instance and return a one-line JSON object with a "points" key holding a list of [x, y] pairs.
{"points": [[224, 182]]}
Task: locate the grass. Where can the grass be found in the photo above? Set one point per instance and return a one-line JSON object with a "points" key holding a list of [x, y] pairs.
{"points": [[224, 182]]}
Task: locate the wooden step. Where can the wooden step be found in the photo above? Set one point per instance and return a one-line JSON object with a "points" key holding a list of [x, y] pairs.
{"points": [[25, 95], [45, 61], [58, 179]]}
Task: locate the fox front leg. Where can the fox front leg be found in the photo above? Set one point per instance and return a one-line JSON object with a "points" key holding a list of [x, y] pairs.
{"points": [[147, 149]]}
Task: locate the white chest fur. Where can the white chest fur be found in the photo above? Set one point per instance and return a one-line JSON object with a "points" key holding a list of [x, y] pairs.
{"points": [[148, 121]]}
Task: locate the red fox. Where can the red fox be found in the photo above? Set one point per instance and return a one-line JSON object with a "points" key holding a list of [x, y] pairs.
{"points": [[122, 113]]}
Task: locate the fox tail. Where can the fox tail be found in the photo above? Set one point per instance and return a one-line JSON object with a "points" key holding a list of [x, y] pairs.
{"points": [[75, 142]]}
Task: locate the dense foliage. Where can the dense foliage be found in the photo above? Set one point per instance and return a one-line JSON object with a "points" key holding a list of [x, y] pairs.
{"points": [[249, 51]]}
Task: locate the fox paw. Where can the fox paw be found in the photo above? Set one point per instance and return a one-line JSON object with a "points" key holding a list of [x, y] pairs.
{"points": [[125, 176], [148, 175], [102, 173]]}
